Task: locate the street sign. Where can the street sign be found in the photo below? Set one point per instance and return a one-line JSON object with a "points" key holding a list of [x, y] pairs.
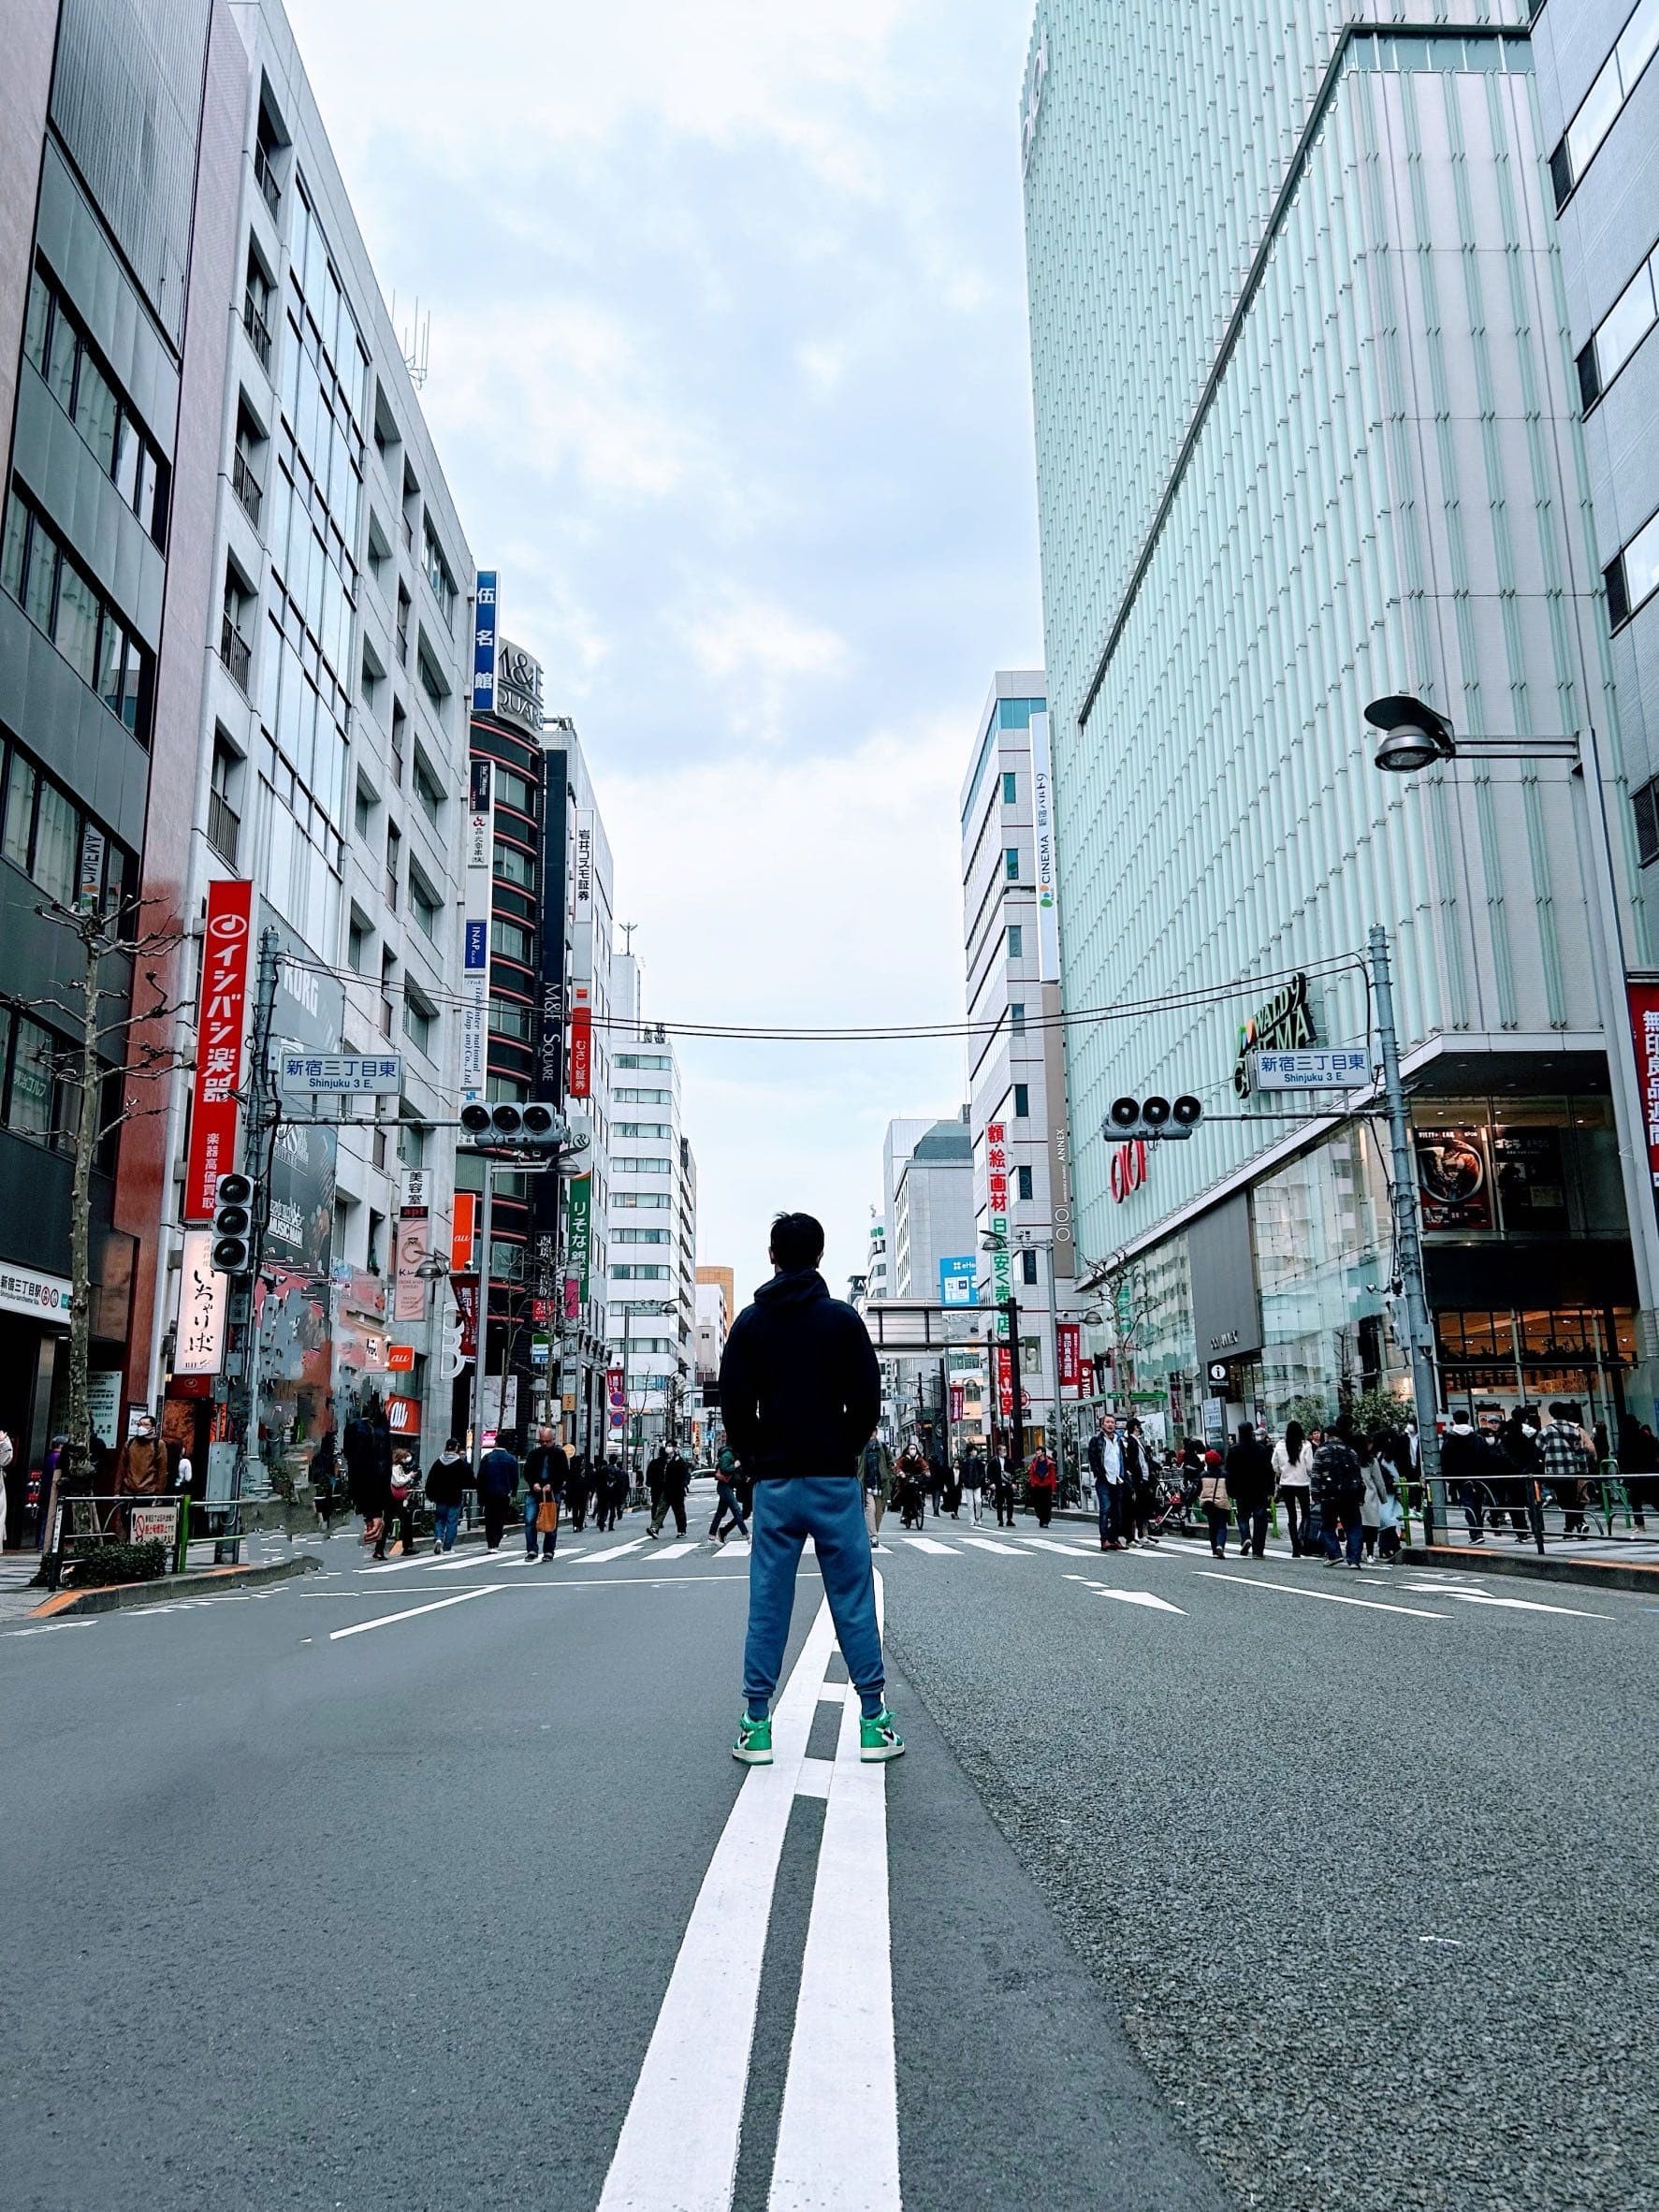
{"points": [[338, 1075], [153, 1524], [956, 1283], [1341, 1069], [400, 1359]]}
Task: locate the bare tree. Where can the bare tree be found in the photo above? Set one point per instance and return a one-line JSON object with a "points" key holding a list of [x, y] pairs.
{"points": [[106, 1072]]}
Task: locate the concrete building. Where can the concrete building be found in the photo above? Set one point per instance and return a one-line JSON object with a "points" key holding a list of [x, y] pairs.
{"points": [[1307, 435], [1015, 1075], [651, 1235], [120, 133], [1598, 97], [932, 1208]]}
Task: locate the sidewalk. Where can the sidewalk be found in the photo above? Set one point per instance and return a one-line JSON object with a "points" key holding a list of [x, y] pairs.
{"points": [[21, 1603]]}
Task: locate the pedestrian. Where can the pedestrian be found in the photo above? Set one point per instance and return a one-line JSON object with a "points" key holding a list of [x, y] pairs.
{"points": [[1339, 1486], [909, 1482], [952, 1491], [727, 1508], [1293, 1483], [1140, 1485], [577, 1491], [1568, 1465], [613, 1492], [1251, 1487], [654, 1467], [936, 1476], [1106, 1457], [1213, 1500], [546, 1470], [142, 1469], [324, 1476], [1043, 1479], [447, 1485], [498, 1478], [368, 1471], [877, 1470], [672, 1480], [973, 1480], [1467, 1463], [1376, 1498], [402, 1502], [801, 1393], [1523, 1467]]}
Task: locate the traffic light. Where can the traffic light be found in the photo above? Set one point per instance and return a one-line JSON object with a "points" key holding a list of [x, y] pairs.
{"points": [[532, 1127], [233, 1225], [1130, 1118]]}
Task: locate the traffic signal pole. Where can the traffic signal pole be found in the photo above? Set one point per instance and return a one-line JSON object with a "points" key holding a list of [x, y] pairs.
{"points": [[263, 1111], [481, 1363]]}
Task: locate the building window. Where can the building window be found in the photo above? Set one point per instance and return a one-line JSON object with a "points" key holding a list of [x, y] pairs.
{"points": [[418, 1022], [426, 788], [1010, 788], [1022, 1101], [1618, 333], [632, 1166], [1024, 1176], [1016, 941], [510, 1087], [357, 944], [423, 904], [1011, 864], [1016, 1016], [642, 1201], [1027, 1267], [45, 835], [513, 865], [634, 1098], [509, 1018], [644, 1060], [643, 1128], [437, 574], [1602, 105], [1633, 578], [513, 790], [511, 940], [639, 1236], [96, 406], [59, 600]]}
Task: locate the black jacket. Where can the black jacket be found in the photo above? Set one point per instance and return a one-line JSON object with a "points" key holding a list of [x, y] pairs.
{"points": [[800, 1389], [1250, 1475], [447, 1479], [547, 1465], [497, 1474]]}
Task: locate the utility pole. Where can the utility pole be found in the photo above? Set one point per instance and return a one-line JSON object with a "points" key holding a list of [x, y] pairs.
{"points": [[1409, 1243], [481, 1364], [263, 1114]]}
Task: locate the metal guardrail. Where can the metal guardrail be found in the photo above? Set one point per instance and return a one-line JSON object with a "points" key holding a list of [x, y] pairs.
{"points": [[87, 1521]]}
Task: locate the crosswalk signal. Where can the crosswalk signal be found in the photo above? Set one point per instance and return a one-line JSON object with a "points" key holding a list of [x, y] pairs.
{"points": [[233, 1225], [1154, 1117]]}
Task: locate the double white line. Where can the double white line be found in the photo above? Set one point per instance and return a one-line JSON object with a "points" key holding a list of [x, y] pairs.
{"points": [[837, 2135]]}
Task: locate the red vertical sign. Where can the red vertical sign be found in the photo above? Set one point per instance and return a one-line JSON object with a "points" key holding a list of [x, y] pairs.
{"points": [[1004, 1382], [1644, 1025], [956, 1397], [1069, 1335], [580, 1075], [220, 1015], [462, 1232]]}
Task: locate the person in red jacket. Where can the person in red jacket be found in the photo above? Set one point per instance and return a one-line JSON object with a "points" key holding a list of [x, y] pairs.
{"points": [[1041, 1482]]}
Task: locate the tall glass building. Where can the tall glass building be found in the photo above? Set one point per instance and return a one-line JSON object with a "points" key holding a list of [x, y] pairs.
{"points": [[1307, 434]]}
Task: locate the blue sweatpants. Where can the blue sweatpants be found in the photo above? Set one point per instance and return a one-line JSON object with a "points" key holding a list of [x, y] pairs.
{"points": [[829, 1509]]}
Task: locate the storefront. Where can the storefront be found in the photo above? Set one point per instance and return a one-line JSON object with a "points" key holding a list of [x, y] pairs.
{"points": [[1280, 1301]]}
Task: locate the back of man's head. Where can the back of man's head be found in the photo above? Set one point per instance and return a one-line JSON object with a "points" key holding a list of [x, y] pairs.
{"points": [[797, 1241]]}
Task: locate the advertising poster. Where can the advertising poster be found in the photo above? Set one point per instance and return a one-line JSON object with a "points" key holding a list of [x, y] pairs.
{"points": [[1531, 1174], [203, 1298], [996, 1212], [1069, 1338], [409, 1297], [1004, 1382], [1453, 1179], [484, 643], [1644, 1025], [1042, 811], [581, 1041], [956, 1283], [581, 1231], [466, 1306], [222, 1017]]}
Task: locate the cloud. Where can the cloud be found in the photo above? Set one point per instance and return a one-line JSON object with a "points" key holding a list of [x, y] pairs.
{"points": [[757, 651]]}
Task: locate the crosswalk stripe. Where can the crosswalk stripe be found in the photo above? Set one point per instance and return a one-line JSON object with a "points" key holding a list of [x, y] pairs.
{"points": [[677, 1552], [927, 1544], [991, 1544], [1055, 1544], [616, 1551]]}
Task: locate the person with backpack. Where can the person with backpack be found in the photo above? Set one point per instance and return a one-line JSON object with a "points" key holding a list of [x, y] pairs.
{"points": [[727, 1507], [1212, 1498], [498, 1478], [1339, 1488], [801, 1393], [446, 1486], [876, 1467]]}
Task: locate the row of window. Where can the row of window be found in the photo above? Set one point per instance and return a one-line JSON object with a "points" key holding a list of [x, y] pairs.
{"points": [[94, 401], [513, 790], [643, 1201], [311, 563], [514, 865], [637, 1273], [329, 311], [629, 1164], [638, 1097], [40, 1088], [659, 1060], [1620, 332], [60, 850], [1602, 105], [644, 1128], [640, 1236], [300, 709], [61, 600]]}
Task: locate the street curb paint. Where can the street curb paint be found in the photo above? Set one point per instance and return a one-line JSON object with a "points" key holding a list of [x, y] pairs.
{"points": [[114, 1597], [1593, 1573]]}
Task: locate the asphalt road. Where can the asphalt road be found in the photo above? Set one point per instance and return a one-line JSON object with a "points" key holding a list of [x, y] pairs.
{"points": [[435, 1885]]}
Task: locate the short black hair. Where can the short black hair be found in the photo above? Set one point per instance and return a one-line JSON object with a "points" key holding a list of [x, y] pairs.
{"points": [[797, 1241]]}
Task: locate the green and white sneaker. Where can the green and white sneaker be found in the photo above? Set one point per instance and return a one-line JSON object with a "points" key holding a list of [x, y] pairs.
{"points": [[878, 1739], [754, 1742]]}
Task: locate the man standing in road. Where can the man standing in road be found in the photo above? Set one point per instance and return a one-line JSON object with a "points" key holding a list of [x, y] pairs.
{"points": [[801, 1394], [1107, 1465], [498, 1478], [546, 1470], [673, 1481]]}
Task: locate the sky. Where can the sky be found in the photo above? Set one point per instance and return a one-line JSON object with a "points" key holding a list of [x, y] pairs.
{"points": [[729, 378]]}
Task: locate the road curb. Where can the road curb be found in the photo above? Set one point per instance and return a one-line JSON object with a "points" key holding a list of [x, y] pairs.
{"points": [[117, 1596], [1593, 1574]]}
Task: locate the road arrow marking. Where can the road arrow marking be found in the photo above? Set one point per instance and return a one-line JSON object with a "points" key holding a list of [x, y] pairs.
{"points": [[1328, 1597], [1129, 1597]]}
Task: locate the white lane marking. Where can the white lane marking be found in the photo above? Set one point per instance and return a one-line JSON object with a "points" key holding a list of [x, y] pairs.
{"points": [[1130, 1597], [1328, 1597], [51, 1627], [411, 1612], [616, 1551], [1057, 1544], [1519, 1605], [991, 1544], [741, 1550], [397, 1566], [927, 1544], [678, 2151], [484, 1557], [676, 1550], [837, 2133], [815, 1778]]}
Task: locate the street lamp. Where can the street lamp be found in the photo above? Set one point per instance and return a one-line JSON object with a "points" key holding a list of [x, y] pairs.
{"points": [[1414, 738]]}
